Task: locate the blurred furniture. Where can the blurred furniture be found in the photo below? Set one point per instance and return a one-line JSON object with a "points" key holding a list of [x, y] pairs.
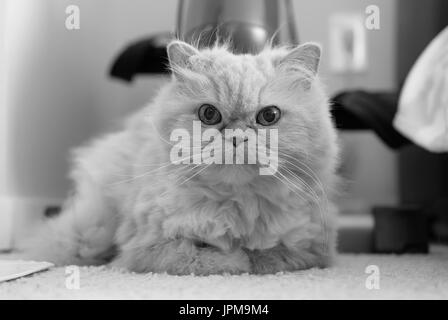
{"points": [[246, 26], [361, 110]]}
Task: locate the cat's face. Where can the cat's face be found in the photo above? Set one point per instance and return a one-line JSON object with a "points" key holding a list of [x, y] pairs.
{"points": [[275, 93]]}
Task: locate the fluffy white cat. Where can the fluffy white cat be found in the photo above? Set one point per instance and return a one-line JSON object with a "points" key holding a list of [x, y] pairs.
{"points": [[135, 208]]}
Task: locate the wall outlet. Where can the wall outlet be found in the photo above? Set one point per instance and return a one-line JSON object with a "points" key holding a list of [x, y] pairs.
{"points": [[348, 45]]}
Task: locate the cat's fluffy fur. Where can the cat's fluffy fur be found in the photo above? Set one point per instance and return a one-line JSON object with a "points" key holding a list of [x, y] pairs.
{"points": [[132, 208]]}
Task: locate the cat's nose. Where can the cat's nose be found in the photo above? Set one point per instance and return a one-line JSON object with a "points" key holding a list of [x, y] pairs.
{"points": [[237, 140]]}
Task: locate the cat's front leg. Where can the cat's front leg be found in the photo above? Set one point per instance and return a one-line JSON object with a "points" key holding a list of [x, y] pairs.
{"points": [[82, 234], [181, 257]]}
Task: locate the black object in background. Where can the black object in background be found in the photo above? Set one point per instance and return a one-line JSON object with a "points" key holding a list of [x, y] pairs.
{"points": [[52, 211], [361, 110], [145, 56], [400, 230]]}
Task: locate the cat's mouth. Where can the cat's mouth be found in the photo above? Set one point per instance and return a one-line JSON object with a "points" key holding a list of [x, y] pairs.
{"points": [[203, 245]]}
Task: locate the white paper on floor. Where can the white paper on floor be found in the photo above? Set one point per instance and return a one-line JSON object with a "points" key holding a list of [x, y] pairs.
{"points": [[13, 269]]}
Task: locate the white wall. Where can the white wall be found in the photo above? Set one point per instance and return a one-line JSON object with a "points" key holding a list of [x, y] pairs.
{"points": [[313, 17], [5, 212], [60, 94], [3, 101]]}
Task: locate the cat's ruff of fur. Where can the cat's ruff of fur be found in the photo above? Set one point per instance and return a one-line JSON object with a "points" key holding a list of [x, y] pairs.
{"points": [[133, 207]]}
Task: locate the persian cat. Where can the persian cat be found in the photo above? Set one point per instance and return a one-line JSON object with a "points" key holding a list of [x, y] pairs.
{"points": [[135, 207]]}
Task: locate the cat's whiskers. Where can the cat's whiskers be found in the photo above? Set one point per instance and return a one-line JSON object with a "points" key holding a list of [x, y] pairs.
{"points": [[315, 198], [158, 133], [171, 143], [262, 142], [298, 186], [312, 192], [289, 187], [189, 168], [308, 188], [191, 177], [167, 164], [151, 171], [310, 173], [322, 217]]}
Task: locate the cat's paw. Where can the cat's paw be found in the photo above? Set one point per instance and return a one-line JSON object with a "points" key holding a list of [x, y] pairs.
{"points": [[280, 259], [212, 261], [182, 257], [266, 263], [200, 258]]}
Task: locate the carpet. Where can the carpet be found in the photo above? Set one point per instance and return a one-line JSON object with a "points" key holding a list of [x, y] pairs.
{"points": [[363, 276]]}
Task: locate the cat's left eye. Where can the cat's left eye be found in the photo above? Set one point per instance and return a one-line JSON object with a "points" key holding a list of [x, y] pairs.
{"points": [[209, 114], [268, 116]]}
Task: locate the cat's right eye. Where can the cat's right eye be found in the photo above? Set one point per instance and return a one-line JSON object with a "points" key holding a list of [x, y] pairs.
{"points": [[268, 116], [209, 114]]}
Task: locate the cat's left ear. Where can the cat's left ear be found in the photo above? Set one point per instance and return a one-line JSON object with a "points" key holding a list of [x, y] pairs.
{"points": [[305, 56], [179, 54]]}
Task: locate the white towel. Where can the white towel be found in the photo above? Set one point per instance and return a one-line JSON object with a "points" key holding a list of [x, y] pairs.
{"points": [[423, 106]]}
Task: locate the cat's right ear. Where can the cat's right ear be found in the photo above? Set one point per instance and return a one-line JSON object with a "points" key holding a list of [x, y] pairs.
{"points": [[179, 54], [306, 55], [303, 60]]}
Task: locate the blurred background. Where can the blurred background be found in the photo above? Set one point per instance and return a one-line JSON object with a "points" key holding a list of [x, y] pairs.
{"points": [[56, 93]]}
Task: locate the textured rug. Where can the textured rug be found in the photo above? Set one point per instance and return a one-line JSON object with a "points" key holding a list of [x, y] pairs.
{"points": [[352, 277]]}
